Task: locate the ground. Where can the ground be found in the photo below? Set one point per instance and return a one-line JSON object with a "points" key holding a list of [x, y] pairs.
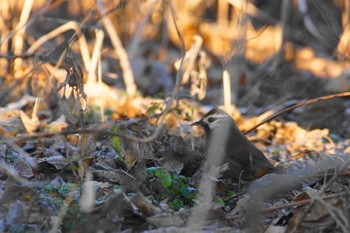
{"points": [[97, 101]]}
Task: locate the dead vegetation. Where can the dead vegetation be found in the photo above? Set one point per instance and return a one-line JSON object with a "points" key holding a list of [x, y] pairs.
{"points": [[97, 98]]}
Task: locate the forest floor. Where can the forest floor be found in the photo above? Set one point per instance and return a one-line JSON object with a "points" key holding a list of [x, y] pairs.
{"points": [[96, 137]]}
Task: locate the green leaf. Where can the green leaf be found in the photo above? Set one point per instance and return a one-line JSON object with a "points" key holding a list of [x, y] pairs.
{"points": [[165, 180], [231, 193], [178, 111], [108, 112], [150, 171], [187, 192], [117, 143], [175, 204], [153, 108], [184, 179], [50, 189], [219, 200], [158, 172], [154, 171], [188, 117]]}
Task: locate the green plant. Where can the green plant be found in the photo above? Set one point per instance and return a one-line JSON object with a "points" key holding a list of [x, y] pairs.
{"points": [[176, 188], [117, 143], [55, 197]]}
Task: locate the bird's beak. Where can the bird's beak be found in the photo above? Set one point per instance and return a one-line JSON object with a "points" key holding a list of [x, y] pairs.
{"points": [[198, 123]]}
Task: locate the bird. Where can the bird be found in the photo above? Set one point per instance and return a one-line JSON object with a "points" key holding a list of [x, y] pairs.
{"points": [[224, 139]]}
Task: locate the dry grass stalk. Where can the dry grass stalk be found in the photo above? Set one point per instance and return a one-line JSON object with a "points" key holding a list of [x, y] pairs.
{"points": [[88, 195], [251, 10], [18, 39], [5, 16], [191, 55], [135, 43], [71, 25], [321, 195], [223, 9], [200, 80], [120, 51], [227, 91], [96, 56], [322, 98], [99, 78]]}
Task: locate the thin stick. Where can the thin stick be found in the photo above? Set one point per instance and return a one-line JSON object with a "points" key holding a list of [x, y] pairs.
{"points": [[253, 11], [96, 56], [227, 91], [38, 64], [18, 39], [222, 12], [192, 54], [5, 14], [293, 204], [322, 98], [318, 196], [120, 51], [110, 133], [99, 78], [71, 25], [138, 35]]}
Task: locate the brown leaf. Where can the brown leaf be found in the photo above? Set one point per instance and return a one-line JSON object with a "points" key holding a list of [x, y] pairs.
{"points": [[58, 161], [24, 168], [67, 112], [145, 205], [30, 124]]}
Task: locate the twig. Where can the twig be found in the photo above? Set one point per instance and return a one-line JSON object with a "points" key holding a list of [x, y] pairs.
{"points": [[23, 78], [120, 51], [20, 28], [192, 54], [175, 90], [291, 205], [322, 98], [28, 23], [106, 132], [96, 56], [222, 12], [322, 191], [92, 131], [71, 25], [335, 213], [309, 25], [138, 35], [22, 56], [227, 91], [253, 11], [99, 83]]}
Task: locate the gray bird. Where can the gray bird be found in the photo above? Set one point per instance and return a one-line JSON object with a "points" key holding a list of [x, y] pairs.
{"points": [[225, 142]]}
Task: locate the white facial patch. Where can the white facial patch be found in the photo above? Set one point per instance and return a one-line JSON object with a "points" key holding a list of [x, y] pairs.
{"points": [[214, 120]]}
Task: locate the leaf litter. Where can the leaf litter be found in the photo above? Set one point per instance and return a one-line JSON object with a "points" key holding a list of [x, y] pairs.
{"points": [[80, 171]]}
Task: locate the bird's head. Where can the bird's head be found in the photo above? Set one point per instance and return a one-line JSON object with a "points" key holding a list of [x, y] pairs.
{"points": [[213, 119]]}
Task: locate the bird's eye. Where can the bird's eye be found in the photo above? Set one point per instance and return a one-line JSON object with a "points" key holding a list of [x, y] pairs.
{"points": [[211, 119]]}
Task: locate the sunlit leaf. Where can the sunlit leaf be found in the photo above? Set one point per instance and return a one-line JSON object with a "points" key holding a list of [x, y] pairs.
{"points": [[117, 144]]}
